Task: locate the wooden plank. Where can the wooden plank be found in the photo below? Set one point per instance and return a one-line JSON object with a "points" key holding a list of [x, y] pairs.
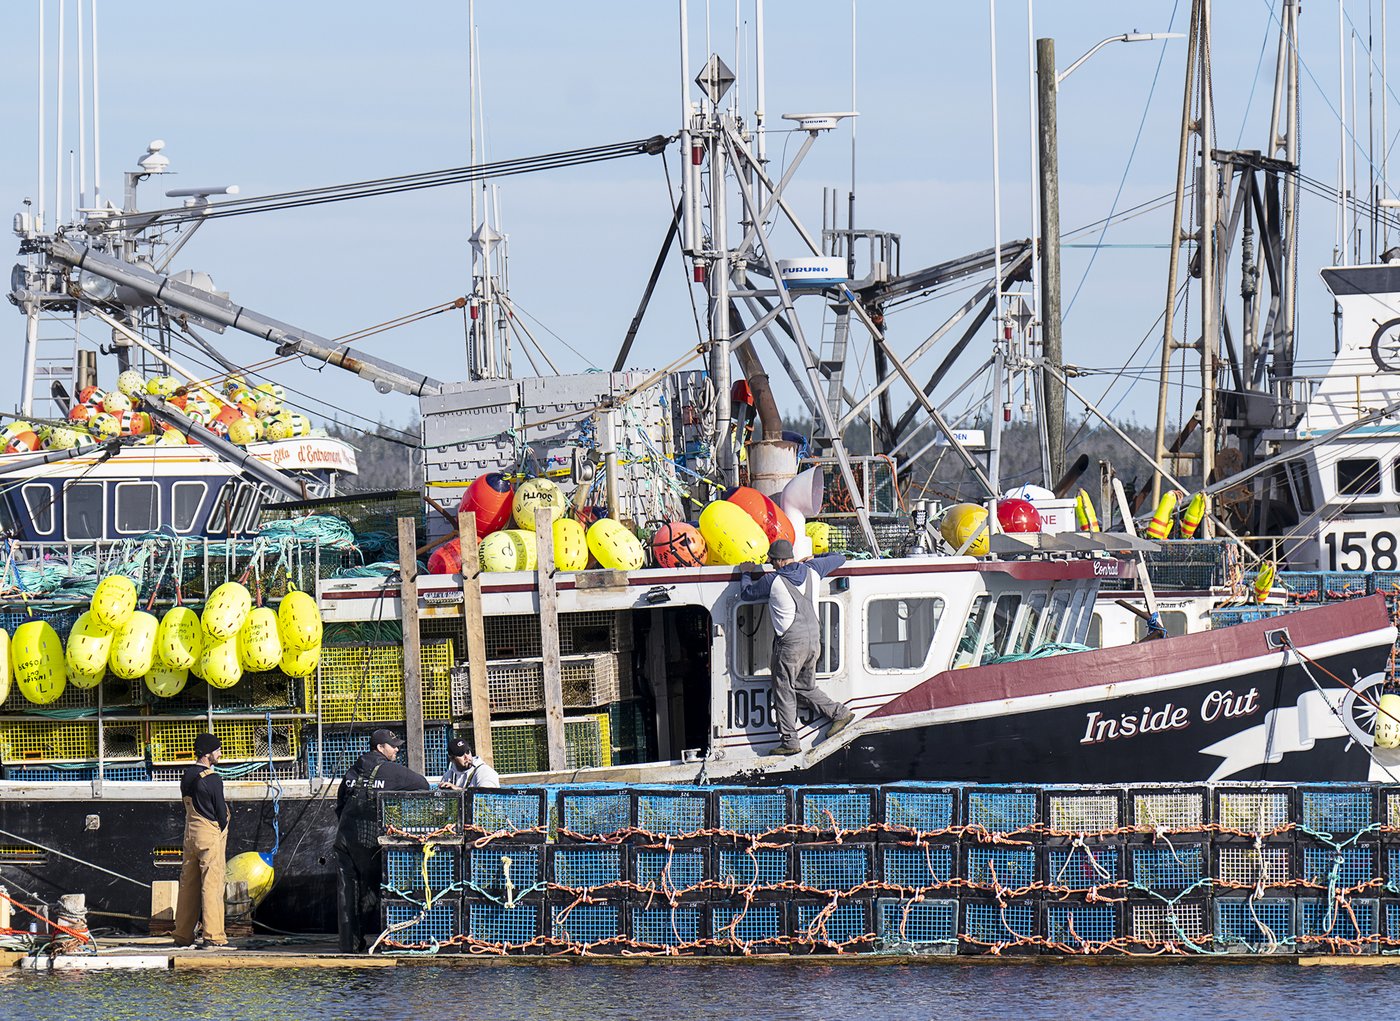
{"points": [[412, 643], [476, 636], [549, 638]]}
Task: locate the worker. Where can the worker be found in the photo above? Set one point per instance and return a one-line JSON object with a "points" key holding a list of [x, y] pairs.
{"points": [[791, 591], [201, 897], [357, 854], [465, 770]]}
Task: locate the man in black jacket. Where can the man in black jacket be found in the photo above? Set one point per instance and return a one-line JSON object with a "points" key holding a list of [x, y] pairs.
{"points": [[357, 853]]}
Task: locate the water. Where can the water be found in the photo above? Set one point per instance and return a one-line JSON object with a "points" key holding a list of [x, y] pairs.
{"points": [[744, 991]]}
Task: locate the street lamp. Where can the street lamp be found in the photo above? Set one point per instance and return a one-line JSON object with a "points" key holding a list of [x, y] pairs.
{"points": [[1052, 341]]}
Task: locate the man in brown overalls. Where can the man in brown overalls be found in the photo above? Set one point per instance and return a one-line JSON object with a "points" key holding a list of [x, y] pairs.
{"points": [[206, 837]]}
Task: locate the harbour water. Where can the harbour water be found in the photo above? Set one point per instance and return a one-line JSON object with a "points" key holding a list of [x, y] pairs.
{"points": [[758, 991]]}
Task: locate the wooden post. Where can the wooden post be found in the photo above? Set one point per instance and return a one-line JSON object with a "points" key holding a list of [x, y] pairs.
{"points": [[476, 636], [412, 646], [549, 639]]}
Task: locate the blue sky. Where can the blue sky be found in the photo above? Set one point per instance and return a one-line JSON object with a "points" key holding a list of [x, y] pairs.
{"points": [[277, 96]]}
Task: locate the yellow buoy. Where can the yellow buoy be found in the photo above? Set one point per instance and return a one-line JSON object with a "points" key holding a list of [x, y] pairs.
{"points": [[253, 868], [226, 610], [114, 601], [614, 547], [4, 666], [960, 522], [731, 535], [89, 645], [533, 495], [179, 639], [219, 664], [300, 662], [1161, 524], [1192, 515], [164, 682], [80, 679], [1085, 520], [511, 549], [36, 658], [570, 545], [1263, 582], [134, 646], [1387, 733], [259, 645], [299, 621]]}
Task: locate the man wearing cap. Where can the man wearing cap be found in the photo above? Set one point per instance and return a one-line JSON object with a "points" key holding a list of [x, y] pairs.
{"points": [[465, 770], [201, 897], [357, 853], [791, 591]]}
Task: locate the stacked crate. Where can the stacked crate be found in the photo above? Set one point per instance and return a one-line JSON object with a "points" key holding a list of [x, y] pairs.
{"points": [[1084, 868], [421, 836], [917, 866], [1339, 866], [1254, 868], [1169, 858], [1000, 868]]}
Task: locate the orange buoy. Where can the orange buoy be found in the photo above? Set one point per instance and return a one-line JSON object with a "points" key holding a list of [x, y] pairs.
{"points": [[447, 558], [678, 544], [770, 517], [1161, 524], [489, 498]]}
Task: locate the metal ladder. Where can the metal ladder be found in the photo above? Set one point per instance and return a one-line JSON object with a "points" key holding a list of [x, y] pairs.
{"points": [[55, 361]]}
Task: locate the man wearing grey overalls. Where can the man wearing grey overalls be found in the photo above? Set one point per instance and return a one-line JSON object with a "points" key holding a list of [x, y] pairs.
{"points": [[791, 591]]}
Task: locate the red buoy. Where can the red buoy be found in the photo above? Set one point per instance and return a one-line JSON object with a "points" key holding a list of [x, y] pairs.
{"points": [[769, 515], [447, 558], [489, 498], [1018, 516], [678, 545]]}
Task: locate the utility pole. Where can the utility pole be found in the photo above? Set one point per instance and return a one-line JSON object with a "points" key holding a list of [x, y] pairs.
{"points": [[1051, 339]]}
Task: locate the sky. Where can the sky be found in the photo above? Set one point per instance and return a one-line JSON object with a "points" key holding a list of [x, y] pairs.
{"points": [[280, 96]]}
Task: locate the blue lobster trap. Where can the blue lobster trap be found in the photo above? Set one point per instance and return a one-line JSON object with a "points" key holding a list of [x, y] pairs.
{"points": [[927, 926]]}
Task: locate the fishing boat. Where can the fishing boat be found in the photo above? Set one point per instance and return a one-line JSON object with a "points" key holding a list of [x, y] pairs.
{"points": [[963, 652]]}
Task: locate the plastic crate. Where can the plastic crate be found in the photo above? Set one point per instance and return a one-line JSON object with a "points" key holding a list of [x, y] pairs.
{"points": [[594, 813], [1245, 867], [999, 868], [1301, 586], [1169, 869], [837, 811], [517, 685], [333, 753], [753, 870], [1351, 925], [434, 813], [586, 867], [133, 772], [835, 868], [517, 813], [595, 925], [416, 927], [670, 872], [998, 924], [255, 771], [517, 636], [1340, 870], [1078, 927], [521, 746], [674, 812], [504, 871], [844, 925], [365, 682], [1388, 812], [1167, 811], [1082, 867], [44, 740], [1070, 813], [1232, 616], [1001, 809], [669, 926], [1183, 924], [750, 927], [1332, 811], [912, 810], [404, 869], [502, 927], [919, 866], [1252, 810], [172, 741], [1343, 584], [916, 927], [745, 812], [1255, 924]]}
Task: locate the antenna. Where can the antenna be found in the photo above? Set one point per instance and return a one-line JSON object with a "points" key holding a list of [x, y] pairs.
{"points": [[96, 118], [39, 149]]}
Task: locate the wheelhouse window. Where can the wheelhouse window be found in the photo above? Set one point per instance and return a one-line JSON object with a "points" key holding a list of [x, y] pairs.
{"points": [[1055, 617], [138, 507], [899, 632], [753, 647], [1359, 476], [1029, 624], [39, 501], [186, 499], [970, 645], [1300, 483], [221, 518], [85, 510]]}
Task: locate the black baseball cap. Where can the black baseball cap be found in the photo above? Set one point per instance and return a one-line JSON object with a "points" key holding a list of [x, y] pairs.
{"points": [[458, 746], [380, 737], [206, 743], [780, 550]]}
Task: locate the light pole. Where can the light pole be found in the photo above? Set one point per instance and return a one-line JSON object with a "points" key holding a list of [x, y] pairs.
{"points": [[1052, 340]]}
